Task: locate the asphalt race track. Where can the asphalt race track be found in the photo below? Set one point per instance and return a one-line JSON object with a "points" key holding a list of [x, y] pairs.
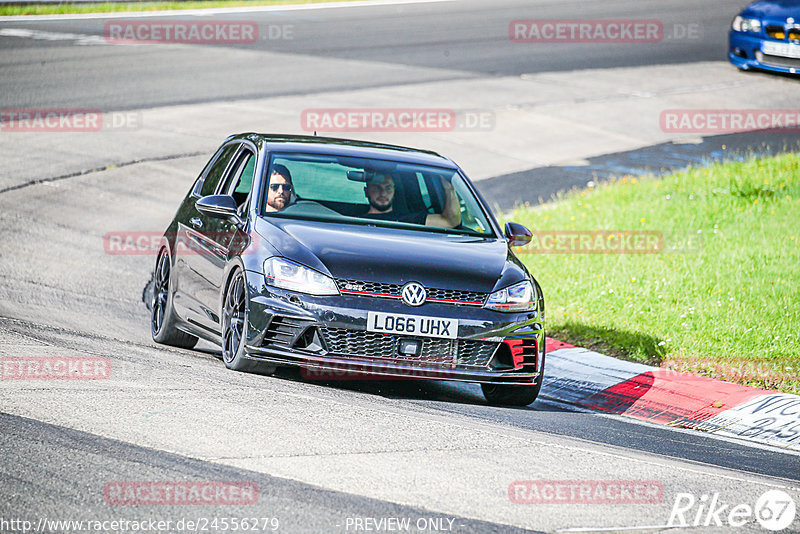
{"points": [[336, 456]]}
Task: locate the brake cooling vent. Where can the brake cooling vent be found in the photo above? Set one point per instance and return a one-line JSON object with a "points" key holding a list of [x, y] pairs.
{"points": [[283, 331]]}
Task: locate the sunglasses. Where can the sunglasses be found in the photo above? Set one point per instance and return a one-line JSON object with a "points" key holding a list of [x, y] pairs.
{"points": [[275, 187]]}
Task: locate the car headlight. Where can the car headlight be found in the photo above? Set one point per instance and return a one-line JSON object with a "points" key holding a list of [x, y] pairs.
{"points": [[280, 272], [742, 24], [517, 298]]}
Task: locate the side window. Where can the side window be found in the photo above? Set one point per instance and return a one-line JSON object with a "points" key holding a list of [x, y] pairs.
{"points": [[245, 182], [217, 170], [240, 180], [198, 184]]}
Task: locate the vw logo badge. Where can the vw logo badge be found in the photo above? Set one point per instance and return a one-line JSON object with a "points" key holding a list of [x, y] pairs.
{"points": [[414, 294]]}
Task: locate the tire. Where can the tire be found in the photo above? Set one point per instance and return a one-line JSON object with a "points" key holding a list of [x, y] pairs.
{"points": [[162, 317], [234, 321], [503, 395]]}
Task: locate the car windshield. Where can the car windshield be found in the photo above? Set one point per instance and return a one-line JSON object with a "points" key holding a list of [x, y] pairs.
{"points": [[371, 191]]}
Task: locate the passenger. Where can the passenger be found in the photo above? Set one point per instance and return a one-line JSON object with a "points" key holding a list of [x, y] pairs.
{"points": [[380, 192], [279, 190]]}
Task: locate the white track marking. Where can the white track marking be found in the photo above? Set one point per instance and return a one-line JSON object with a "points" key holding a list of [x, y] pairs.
{"points": [[79, 38]]}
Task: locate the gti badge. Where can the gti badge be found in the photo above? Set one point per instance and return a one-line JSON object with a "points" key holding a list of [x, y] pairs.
{"points": [[414, 294]]}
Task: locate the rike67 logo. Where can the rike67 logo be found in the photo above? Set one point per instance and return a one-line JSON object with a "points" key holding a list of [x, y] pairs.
{"points": [[774, 510]]}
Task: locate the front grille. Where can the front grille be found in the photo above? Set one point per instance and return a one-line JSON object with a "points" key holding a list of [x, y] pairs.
{"points": [[777, 61], [453, 295], [776, 31], [443, 353], [374, 288], [382, 290]]}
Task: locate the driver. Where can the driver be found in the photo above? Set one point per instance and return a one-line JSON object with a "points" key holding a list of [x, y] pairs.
{"points": [[380, 192], [279, 190]]}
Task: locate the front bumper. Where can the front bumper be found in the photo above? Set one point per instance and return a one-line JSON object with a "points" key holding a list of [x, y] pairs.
{"points": [[336, 368], [744, 51], [327, 336]]}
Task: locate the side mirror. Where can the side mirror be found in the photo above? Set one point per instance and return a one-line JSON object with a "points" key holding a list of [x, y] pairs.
{"points": [[517, 235], [357, 176], [218, 206]]}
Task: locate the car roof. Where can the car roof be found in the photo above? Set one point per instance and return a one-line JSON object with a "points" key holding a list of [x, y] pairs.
{"points": [[347, 147]]}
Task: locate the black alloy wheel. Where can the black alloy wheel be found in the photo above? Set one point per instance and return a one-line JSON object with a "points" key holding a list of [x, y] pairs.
{"points": [[162, 319]]}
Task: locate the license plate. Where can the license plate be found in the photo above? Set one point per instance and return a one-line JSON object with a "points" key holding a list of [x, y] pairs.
{"points": [[412, 325], [781, 49]]}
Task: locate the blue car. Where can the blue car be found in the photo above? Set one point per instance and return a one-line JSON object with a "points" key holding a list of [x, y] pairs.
{"points": [[766, 35]]}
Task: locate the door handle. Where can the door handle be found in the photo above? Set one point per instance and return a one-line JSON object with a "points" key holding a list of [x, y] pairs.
{"points": [[196, 222]]}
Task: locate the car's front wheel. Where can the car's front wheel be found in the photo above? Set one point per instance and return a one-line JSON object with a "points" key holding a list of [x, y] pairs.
{"points": [[162, 317], [234, 327]]}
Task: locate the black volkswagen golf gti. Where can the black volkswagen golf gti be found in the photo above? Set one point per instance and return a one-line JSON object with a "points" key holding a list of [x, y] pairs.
{"points": [[363, 258]]}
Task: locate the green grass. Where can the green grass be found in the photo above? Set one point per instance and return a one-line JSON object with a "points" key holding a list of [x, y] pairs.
{"points": [[720, 300], [115, 7]]}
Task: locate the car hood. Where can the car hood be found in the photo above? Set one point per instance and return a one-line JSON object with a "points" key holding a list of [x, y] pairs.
{"points": [[773, 9], [393, 255]]}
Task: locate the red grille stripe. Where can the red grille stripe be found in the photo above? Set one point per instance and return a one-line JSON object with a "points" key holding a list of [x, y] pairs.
{"points": [[456, 302]]}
